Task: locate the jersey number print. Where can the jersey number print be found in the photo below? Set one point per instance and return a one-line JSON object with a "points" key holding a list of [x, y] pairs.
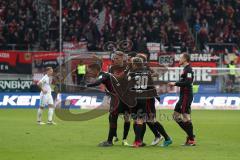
{"points": [[141, 82]]}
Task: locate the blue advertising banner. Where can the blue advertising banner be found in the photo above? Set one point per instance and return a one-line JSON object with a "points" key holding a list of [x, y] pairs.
{"points": [[204, 101], [92, 100], [32, 100]]}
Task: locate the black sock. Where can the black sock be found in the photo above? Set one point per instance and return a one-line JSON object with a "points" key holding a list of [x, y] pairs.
{"points": [[112, 127], [112, 132], [135, 130], [189, 129], [126, 129], [153, 129], [143, 131], [139, 128], [161, 130], [181, 124]]}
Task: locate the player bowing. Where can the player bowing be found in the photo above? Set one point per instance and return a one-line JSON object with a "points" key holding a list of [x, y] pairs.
{"points": [[182, 109]]}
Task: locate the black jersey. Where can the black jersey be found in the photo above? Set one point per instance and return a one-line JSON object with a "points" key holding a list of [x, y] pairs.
{"points": [[140, 80], [117, 70], [105, 79], [186, 80], [136, 84]]}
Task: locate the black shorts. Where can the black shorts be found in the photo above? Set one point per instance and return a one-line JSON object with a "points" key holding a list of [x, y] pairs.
{"points": [[150, 109], [114, 103], [123, 108], [183, 105], [139, 111], [117, 106]]}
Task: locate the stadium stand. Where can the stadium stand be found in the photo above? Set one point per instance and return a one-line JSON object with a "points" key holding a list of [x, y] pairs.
{"points": [[23, 27], [215, 21]]}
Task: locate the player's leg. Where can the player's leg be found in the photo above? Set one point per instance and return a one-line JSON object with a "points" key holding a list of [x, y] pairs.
{"points": [[112, 118], [126, 128], [177, 115], [189, 130], [163, 132], [186, 110], [39, 115], [111, 132], [138, 126], [139, 119], [40, 109], [143, 131], [156, 127], [151, 115], [112, 127], [182, 115], [159, 127], [50, 109]]}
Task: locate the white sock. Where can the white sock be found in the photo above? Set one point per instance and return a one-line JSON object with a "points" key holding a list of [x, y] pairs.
{"points": [[39, 114], [50, 114]]}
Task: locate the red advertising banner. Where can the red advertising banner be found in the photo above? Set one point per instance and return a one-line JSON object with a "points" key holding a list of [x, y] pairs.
{"points": [[47, 55], [16, 62]]}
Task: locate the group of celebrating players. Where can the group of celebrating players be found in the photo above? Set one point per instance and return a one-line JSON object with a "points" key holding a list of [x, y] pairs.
{"points": [[132, 93], [130, 86]]}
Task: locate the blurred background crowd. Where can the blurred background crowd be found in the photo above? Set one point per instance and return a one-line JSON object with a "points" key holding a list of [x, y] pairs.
{"points": [[189, 24]]}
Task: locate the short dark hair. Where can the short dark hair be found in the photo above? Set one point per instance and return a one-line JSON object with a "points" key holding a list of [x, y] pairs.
{"points": [[187, 57]]}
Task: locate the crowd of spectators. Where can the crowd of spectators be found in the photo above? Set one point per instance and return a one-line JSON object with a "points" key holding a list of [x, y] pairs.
{"points": [[93, 21], [138, 21], [100, 21], [215, 21], [18, 23]]}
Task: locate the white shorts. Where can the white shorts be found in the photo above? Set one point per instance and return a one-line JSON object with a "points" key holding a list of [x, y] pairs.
{"points": [[46, 99]]}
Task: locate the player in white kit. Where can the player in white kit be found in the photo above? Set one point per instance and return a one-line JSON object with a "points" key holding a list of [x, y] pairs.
{"points": [[46, 98]]}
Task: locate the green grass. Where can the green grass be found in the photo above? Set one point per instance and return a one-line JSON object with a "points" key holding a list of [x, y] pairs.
{"points": [[218, 137]]}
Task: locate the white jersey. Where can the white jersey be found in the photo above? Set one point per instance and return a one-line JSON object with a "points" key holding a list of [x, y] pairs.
{"points": [[46, 82]]}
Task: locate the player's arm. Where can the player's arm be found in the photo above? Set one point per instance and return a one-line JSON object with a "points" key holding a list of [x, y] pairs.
{"points": [[186, 82], [40, 85], [99, 81]]}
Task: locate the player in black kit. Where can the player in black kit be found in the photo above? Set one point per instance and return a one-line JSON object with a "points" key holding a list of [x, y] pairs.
{"points": [[117, 69], [182, 111], [116, 105], [104, 78], [138, 79], [137, 91], [156, 127]]}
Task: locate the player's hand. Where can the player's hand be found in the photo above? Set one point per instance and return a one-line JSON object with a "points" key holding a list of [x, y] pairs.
{"points": [[171, 83]]}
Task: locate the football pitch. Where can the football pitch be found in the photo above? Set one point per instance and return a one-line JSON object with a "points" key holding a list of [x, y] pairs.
{"points": [[218, 138]]}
